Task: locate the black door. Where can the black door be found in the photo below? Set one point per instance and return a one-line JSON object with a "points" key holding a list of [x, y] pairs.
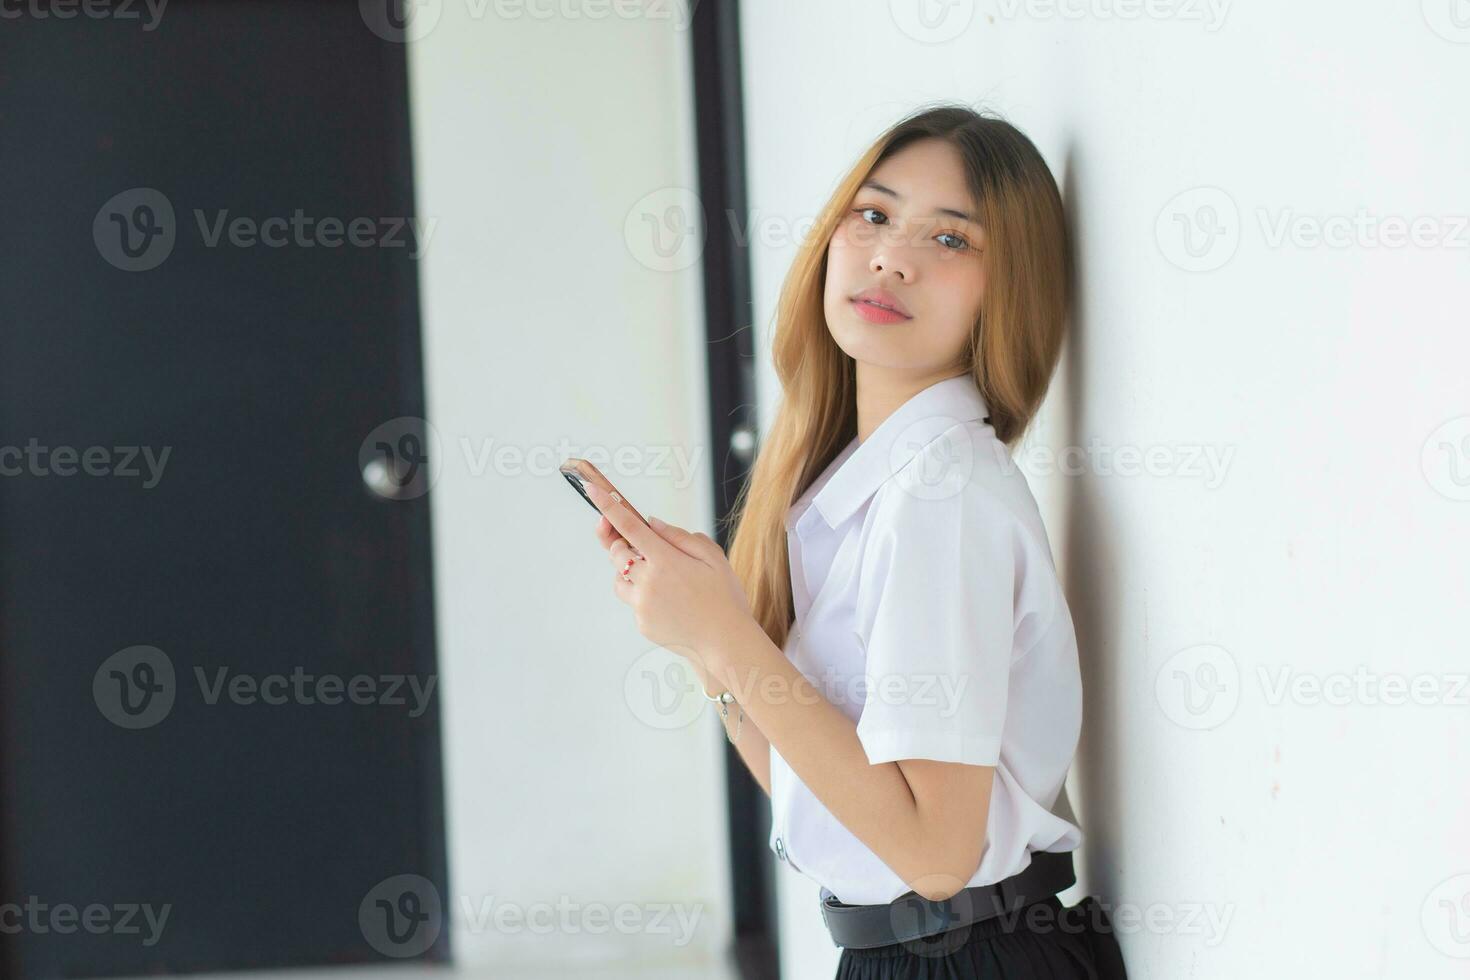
{"points": [[220, 739]]}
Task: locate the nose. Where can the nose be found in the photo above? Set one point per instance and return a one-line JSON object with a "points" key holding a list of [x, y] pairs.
{"points": [[895, 255], [888, 261]]}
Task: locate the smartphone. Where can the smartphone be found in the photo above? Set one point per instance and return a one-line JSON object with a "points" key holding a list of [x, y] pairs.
{"points": [[579, 472]]}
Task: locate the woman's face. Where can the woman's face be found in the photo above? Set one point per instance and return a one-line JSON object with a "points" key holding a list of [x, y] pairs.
{"points": [[902, 239]]}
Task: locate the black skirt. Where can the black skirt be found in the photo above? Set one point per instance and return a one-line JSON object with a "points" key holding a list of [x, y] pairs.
{"points": [[1041, 941]]}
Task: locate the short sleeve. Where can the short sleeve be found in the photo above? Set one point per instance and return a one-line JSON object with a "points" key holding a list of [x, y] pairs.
{"points": [[935, 615]]}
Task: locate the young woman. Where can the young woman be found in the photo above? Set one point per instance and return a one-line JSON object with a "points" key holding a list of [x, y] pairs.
{"points": [[889, 628]]}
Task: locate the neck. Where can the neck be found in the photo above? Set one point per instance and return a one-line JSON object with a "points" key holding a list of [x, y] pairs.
{"points": [[880, 392]]}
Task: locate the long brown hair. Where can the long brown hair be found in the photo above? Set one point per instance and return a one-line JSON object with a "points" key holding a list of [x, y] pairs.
{"points": [[1012, 349]]}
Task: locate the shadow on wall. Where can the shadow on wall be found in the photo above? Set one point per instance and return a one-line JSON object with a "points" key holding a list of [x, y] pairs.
{"points": [[1093, 597]]}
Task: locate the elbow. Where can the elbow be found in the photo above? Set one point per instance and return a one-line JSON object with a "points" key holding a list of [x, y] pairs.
{"points": [[949, 856], [943, 894], [946, 885], [938, 894]]}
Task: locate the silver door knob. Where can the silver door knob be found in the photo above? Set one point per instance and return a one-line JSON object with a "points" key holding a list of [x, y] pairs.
{"points": [[379, 478]]}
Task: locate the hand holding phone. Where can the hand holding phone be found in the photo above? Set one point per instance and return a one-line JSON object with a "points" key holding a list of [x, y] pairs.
{"points": [[580, 472]]}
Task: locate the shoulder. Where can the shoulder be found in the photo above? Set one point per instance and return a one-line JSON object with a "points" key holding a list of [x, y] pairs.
{"points": [[961, 513], [962, 482]]}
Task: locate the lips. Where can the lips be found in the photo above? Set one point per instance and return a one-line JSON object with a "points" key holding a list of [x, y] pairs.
{"points": [[874, 313], [882, 299]]}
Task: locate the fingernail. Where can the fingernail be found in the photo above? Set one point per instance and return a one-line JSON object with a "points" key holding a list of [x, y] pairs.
{"points": [[614, 497], [654, 521]]}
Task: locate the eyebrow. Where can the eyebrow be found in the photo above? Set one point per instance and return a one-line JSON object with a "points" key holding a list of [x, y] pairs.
{"points": [[899, 197]]}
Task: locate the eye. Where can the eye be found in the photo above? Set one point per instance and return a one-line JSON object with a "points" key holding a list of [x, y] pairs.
{"points": [[960, 244]]}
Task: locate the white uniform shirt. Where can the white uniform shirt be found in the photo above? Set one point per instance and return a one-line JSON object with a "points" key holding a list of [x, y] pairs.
{"points": [[928, 611]]}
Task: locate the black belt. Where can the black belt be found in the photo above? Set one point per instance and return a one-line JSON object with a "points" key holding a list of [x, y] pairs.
{"points": [[911, 916]]}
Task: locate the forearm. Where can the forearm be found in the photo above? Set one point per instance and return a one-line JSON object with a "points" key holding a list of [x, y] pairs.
{"points": [[752, 744], [820, 744]]}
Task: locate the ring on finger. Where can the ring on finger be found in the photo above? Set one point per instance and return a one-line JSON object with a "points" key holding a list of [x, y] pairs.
{"points": [[629, 564]]}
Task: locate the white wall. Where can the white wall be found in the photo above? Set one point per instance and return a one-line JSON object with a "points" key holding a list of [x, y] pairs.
{"points": [[547, 332], [1329, 534]]}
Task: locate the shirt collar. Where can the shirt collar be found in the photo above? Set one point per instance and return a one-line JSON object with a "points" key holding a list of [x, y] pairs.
{"points": [[897, 440]]}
